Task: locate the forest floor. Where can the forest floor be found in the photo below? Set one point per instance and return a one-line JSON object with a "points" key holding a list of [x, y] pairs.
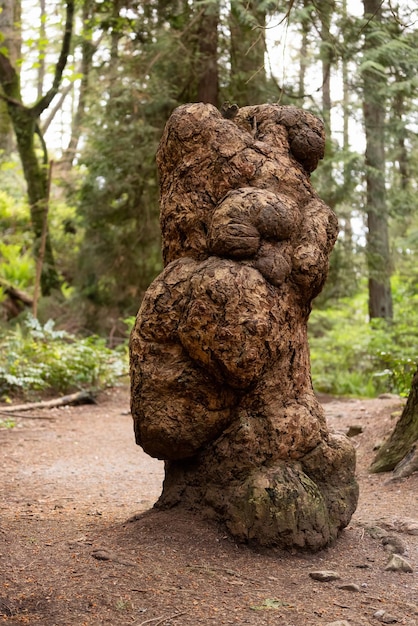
{"points": [[81, 545]]}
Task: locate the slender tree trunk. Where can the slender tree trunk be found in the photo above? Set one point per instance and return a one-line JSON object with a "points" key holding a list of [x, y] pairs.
{"points": [[248, 75], [303, 54], [401, 153], [326, 9], [346, 212], [10, 18], [378, 253], [87, 52], [325, 12], [36, 176], [41, 55], [208, 80], [25, 122]]}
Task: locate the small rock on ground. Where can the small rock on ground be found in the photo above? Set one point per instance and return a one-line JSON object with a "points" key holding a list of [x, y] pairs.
{"points": [[397, 563], [355, 430], [384, 617], [324, 576], [393, 544]]}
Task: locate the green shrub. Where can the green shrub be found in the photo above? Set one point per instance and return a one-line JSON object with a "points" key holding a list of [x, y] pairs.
{"points": [[39, 358], [351, 356]]}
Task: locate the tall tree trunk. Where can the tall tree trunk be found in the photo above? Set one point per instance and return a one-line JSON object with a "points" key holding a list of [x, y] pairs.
{"points": [[248, 76], [10, 18], [41, 51], [305, 23], [87, 51], [208, 80], [401, 152], [326, 9], [346, 212], [25, 122], [325, 12], [378, 253]]}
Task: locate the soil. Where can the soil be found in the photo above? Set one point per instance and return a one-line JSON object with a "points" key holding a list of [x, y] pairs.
{"points": [[81, 544]]}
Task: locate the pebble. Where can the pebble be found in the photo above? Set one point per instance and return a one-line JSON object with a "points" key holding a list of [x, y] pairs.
{"points": [[353, 431], [101, 555], [376, 532], [340, 622], [385, 618], [324, 576], [397, 563], [393, 544]]}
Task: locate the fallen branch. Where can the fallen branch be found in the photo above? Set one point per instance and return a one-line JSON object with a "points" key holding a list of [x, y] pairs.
{"points": [[80, 397], [15, 293]]}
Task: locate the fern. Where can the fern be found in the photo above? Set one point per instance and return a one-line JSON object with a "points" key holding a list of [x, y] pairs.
{"points": [[36, 357]]}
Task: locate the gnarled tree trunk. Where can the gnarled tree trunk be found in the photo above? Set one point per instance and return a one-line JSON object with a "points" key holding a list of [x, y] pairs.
{"points": [[220, 373]]}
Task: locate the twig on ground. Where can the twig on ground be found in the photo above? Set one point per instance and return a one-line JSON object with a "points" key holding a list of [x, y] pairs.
{"points": [[29, 417], [161, 620]]}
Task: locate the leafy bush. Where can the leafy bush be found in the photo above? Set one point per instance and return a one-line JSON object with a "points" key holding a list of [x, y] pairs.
{"points": [[351, 356], [39, 358], [16, 262]]}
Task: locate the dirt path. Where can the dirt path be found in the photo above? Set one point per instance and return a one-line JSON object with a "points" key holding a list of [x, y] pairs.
{"points": [[69, 555]]}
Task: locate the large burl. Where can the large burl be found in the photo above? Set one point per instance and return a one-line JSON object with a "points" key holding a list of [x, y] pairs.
{"points": [[220, 372]]}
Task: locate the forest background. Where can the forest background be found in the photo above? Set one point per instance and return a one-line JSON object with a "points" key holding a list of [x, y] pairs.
{"points": [[86, 89]]}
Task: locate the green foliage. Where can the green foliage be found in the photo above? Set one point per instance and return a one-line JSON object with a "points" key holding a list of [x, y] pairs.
{"points": [[16, 261], [35, 357], [7, 423], [351, 356], [17, 265]]}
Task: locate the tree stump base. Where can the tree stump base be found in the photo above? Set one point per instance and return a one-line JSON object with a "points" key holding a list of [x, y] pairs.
{"points": [[220, 372]]}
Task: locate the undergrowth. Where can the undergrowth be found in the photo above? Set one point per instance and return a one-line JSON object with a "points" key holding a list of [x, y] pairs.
{"points": [[351, 356], [38, 358]]}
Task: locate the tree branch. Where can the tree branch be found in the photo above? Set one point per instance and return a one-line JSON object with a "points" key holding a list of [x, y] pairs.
{"points": [[9, 81], [45, 101], [64, 93]]}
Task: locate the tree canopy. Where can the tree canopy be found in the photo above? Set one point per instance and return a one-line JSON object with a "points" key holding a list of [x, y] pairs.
{"points": [[90, 86]]}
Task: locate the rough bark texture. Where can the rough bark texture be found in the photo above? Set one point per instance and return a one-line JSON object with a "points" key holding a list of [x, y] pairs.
{"points": [[220, 373], [374, 113], [403, 441]]}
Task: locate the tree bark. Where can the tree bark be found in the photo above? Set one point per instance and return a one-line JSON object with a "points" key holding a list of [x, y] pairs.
{"points": [[87, 51], [220, 372], [374, 112], [10, 18], [248, 46], [41, 50], [303, 55], [208, 80], [404, 436], [326, 10]]}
